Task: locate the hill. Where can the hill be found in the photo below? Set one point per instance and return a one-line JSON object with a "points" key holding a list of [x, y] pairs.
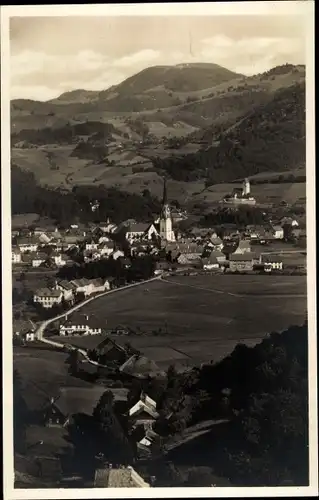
{"points": [[196, 123]]}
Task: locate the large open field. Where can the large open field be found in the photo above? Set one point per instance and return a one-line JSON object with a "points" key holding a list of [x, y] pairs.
{"points": [[201, 317]]}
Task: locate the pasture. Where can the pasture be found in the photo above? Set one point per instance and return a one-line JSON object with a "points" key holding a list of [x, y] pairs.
{"points": [[192, 319]]}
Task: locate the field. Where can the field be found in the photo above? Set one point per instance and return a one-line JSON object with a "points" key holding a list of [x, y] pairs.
{"points": [[200, 317]]}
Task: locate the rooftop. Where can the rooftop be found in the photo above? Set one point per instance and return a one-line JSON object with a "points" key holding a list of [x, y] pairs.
{"points": [[246, 257], [47, 292], [118, 478]]}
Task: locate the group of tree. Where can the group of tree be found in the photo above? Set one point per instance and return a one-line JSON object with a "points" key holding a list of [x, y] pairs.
{"points": [[240, 217], [263, 392], [65, 206]]}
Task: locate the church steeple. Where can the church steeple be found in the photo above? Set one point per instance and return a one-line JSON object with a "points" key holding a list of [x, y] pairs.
{"points": [[165, 212], [166, 230]]}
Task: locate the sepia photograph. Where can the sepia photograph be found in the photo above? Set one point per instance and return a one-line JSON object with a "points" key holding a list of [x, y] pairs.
{"points": [[158, 207]]}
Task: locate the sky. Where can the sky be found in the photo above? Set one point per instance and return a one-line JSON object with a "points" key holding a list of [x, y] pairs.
{"points": [[52, 55]]}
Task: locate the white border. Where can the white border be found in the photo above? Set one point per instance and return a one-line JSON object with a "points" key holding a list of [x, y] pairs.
{"points": [[304, 9]]}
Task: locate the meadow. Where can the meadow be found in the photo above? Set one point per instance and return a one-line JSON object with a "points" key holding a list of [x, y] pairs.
{"points": [[193, 319]]}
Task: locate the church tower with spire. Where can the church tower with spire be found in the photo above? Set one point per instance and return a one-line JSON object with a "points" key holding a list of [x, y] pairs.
{"points": [[166, 226]]}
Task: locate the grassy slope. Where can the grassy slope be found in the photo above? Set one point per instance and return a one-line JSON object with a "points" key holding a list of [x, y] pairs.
{"points": [[214, 108]]}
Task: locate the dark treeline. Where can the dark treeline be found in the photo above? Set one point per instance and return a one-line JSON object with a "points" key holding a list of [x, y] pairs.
{"points": [[140, 268], [65, 207], [241, 217]]}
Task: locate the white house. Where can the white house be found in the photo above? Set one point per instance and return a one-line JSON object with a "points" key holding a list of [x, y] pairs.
{"points": [[48, 298], [38, 259], [91, 245], [28, 244], [79, 328], [24, 330], [116, 254], [271, 263], [67, 288], [16, 255], [278, 232], [215, 242], [59, 259], [143, 412]]}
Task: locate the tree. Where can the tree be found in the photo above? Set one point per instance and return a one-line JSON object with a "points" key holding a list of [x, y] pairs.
{"points": [[112, 442], [73, 362]]}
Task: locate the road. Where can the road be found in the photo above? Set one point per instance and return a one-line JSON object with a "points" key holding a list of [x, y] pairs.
{"points": [[41, 329]]}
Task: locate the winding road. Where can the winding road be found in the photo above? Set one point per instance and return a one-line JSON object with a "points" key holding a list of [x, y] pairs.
{"points": [[41, 329]]}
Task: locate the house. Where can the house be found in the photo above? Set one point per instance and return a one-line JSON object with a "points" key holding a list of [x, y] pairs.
{"points": [[25, 330], [67, 288], [278, 232], [38, 259], [59, 259], [99, 285], [209, 263], [15, 255], [82, 286], [220, 256], [215, 242], [242, 262], [105, 248], [28, 244], [143, 413], [91, 245], [48, 298], [91, 255], [272, 263], [289, 221], [86, 327], [119, 477], [44, 238], [243, 247], [71, 401], [116, 254], [140, 367], [104, 238], [139, 231]]}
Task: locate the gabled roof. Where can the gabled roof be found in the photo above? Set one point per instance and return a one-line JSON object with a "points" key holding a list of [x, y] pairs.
{"points": [[271, 258], [118, 478], [139, 366], [47, 292], [245, 257], [72, 400], [139, 227], [67, 285]]}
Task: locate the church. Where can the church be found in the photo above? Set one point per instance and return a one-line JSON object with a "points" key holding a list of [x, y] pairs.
{"points": [[166, 232]]}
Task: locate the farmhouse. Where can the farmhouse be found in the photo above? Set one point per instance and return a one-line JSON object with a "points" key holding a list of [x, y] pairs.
{"points": [[15, 255], [121, 477], [25, 330], [242, 262], [59, 259], [272, 263], [140, 367], [71, 401], [243, 247], [80, 328], [48, 298], [143, 413], [67, 288]]}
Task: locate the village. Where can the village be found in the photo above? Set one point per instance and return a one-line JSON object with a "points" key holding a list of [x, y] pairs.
{"points": [[119, 257]]}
